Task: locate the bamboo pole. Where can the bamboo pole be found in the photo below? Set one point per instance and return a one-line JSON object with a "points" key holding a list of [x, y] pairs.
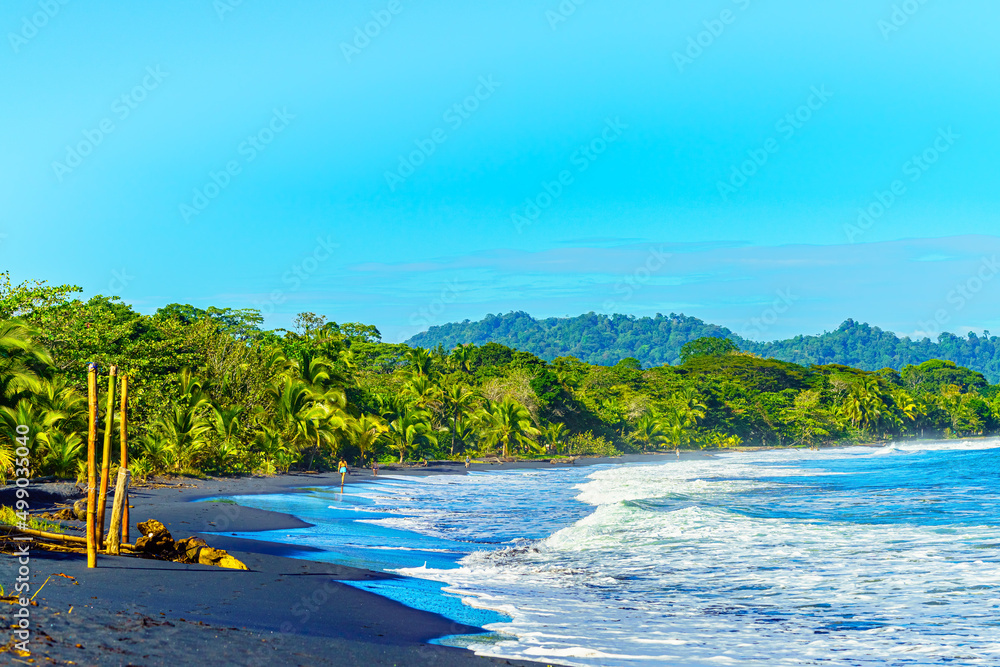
{"points": [[109, 425], [114, 532], [91, 447], [71, 539], [123, 461]]}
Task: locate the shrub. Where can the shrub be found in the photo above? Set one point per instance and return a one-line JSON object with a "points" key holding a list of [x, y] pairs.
{"points": [[588, 444]]}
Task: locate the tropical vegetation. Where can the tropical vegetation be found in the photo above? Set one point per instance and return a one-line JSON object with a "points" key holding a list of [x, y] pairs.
{"points": [[654, 341], [212, 392]]}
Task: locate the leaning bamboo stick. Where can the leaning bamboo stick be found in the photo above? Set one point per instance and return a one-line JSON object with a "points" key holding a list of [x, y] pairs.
{"points": [[123, 461], [72, 539], [109, 423], [91, 446], [114, 532]]}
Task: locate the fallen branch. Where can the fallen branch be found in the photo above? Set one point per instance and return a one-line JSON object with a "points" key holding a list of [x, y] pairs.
{"points": [[58, 537]]}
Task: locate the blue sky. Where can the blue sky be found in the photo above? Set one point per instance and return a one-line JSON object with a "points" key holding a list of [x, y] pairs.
{"points": [[553, 157]]}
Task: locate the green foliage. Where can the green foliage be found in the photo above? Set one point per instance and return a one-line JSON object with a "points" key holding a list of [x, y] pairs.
{"points": [[9, 516], [588, 444], [212, 393], [29, 296], [592, 338], [655, 341], [630, 363], [707, 346]]}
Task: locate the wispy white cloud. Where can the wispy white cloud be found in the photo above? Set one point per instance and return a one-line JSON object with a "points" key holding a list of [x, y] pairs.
{"points": [[890, 284]]}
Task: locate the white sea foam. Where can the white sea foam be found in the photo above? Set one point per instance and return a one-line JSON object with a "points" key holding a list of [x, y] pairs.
{"points": [[663, 571]]}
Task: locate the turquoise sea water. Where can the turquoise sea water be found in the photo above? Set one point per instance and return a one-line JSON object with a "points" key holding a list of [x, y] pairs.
{"points": [[857, 556]]}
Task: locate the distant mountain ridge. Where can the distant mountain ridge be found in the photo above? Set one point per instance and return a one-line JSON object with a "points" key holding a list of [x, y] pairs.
{"points": [[655, 341]]}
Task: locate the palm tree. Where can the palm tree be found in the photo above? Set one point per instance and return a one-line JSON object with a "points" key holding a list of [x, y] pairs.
{"points": [[365, 433], [507, 423], [157, 452], [420, 362], [23, 362], [185, 433], [226, 423], [327, 421], [410, 430], [461, 358], [391, 406], [693, 404], [316, 372], [193, 390], [62, 454], [863, 404], [673, 423], [649, 431], [459, 400], [23, 414], [293, 400], [425, 393], [553, 436], [269, 445]]}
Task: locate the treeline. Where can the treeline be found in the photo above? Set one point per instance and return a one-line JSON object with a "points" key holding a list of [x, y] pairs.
{"points": [[654, 341], [212, 392]]}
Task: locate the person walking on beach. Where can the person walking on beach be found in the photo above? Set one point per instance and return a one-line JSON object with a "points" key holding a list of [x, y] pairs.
{"points": [[467, 461], [343, 473], [374, 466]]}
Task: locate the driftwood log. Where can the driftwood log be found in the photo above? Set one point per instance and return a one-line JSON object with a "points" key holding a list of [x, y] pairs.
{"points": [[115, 531]]}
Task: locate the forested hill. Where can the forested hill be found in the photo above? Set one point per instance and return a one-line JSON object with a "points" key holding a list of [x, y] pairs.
{"points": [[654, 341]]}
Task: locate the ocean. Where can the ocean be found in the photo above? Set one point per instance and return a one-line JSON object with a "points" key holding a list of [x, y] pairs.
{"points": [[856, 556]]}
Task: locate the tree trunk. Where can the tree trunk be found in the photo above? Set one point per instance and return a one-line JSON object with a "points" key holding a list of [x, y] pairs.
{"points": [[312, 456], [117, 510]]}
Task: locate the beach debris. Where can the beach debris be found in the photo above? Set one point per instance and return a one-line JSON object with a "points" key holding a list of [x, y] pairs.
{"points": [[156, 541], [196, 550], [65, 514]]}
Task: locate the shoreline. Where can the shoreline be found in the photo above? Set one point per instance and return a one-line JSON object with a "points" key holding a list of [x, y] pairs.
{"points": [[285, 609]]}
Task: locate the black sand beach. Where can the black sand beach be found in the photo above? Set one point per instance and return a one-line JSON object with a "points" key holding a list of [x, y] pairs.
{"points": [[288, 611]]}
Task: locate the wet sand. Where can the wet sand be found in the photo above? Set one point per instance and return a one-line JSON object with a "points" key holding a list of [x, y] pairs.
{"points": [[284, 610]]}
